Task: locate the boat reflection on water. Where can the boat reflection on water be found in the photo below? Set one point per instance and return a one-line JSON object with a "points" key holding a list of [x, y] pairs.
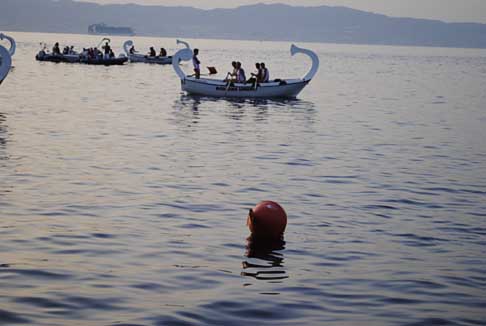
{"points": [[186, 101], [3, 135], [190, 109], [265, 260], [263, 105], [186, 111]]}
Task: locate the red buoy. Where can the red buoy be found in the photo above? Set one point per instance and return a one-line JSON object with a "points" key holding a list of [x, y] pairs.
{"points": [[267, 220]]}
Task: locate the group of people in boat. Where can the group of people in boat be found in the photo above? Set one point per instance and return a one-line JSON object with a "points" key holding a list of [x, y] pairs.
{"points": [[89, 53], [96, 54], [66, 50], [237, 75], [261, 74], [152, 53]]}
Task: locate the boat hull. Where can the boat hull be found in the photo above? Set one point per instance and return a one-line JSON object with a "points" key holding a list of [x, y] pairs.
{"points": [[148, 59], [215, 88], [5, 63], [105, 62], [76, 58], [69, 58], [286, 88]]}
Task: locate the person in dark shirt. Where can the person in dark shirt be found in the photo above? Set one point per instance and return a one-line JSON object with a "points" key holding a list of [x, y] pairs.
{"points": [[231, 76], [107, 49], [152, 52], [196, 63], [163, 52], [55, 49], [265, 73], [256, 77]]}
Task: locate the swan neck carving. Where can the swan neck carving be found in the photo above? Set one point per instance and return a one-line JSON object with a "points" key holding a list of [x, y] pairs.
{"points": [[315, 60]]}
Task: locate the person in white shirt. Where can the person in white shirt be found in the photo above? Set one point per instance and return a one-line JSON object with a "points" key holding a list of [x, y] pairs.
{"points": [[240, 75], [265, 73]]}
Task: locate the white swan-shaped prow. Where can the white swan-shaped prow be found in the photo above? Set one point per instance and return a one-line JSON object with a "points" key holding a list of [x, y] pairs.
{"points": [[126, 46], [315, 60], [184, 43], [13, 45], [5, 63], [181, 55]]}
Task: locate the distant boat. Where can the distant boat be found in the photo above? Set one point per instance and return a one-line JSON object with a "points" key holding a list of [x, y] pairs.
{"points": [[136, 57], [77, 58], [103, 29], [6, 56], [279, 88], [84, 57]]}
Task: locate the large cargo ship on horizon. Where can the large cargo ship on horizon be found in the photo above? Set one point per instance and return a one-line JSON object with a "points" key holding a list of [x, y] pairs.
{"points": [[103, 29]]}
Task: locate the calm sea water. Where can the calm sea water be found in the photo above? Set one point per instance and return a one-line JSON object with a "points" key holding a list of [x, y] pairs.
{"points": [[124, 201]]}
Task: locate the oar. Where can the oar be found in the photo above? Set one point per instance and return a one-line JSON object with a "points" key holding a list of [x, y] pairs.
{"points": [[229, 84]]}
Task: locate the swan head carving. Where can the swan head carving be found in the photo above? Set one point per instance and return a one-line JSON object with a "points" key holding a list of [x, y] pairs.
{"points": [[181, 55], [294, 49]]}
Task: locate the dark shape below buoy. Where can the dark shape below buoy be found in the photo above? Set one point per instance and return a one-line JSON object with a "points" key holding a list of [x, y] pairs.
{"points": [[267, 220]]}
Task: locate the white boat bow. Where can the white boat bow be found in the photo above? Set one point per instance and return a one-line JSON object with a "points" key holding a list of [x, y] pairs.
{"points": [[279, 88], [181, 55], [126, 46], [5, 63], [294, 49], [13, 45], [6, 57]]}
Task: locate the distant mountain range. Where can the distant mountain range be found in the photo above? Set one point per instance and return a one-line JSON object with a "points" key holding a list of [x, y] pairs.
{"points": [[255, 22]]}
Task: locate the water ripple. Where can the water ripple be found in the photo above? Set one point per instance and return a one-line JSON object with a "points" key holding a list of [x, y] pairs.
{"points": [[123, 201]]}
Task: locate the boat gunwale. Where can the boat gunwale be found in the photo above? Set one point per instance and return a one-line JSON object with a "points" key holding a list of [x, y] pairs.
{"points": [[218, 82]]}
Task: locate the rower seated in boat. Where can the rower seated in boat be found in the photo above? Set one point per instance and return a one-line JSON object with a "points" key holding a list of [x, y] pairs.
{"points": [[163, 52], [256, 76], [56, 50], [240, 75], [265, 73], [98, 54], [132, 50], [231, 76], [152, 52], [84, 53]]}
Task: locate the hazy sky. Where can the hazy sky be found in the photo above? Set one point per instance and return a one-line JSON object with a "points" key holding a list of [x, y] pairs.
{"points": [[447, 10]]}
